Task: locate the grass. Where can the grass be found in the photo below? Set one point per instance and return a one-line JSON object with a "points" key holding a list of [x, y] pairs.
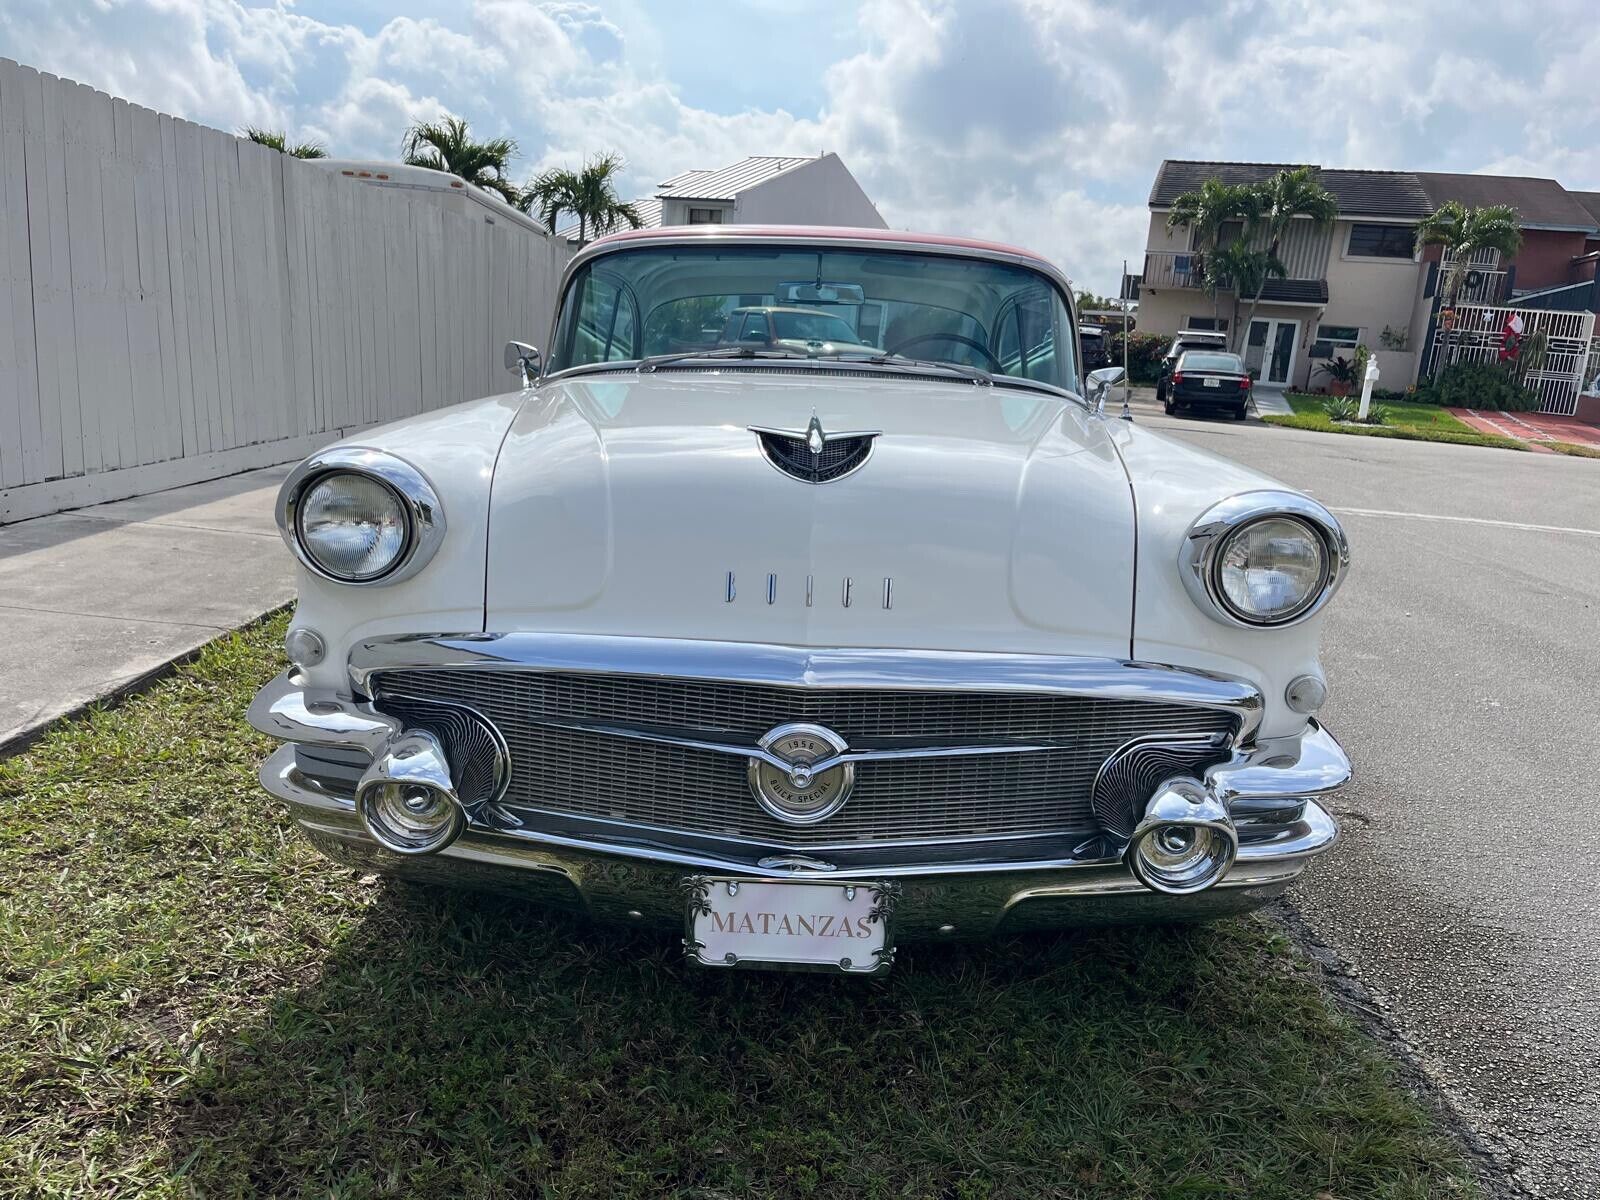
{"points": [[1412, 422], [192, 1002], [1576, 449]]}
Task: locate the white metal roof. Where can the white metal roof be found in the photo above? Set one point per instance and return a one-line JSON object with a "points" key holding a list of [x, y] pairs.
{"points": [[649, 209], [727, 183]]}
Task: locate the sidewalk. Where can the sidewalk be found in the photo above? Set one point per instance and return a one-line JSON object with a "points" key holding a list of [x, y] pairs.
{"points": [[93, 600]]}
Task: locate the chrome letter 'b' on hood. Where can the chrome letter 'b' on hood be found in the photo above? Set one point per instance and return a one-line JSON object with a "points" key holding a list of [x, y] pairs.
{"points": [[813, 455]]}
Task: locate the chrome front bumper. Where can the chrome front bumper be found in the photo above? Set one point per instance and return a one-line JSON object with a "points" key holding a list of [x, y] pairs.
{"points": [[1270, 789]]}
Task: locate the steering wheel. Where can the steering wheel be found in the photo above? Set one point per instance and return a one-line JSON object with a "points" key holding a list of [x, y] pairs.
{"points": [[962, 338]]}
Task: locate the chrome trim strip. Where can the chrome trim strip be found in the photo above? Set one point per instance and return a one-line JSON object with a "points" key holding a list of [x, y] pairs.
{"points": [[425, 523], [320, 808], [1197, 558], [742, 750], [810, 667]]}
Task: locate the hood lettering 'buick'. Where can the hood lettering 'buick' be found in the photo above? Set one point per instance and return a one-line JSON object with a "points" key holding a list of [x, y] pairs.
{"points": [[806, 598]]}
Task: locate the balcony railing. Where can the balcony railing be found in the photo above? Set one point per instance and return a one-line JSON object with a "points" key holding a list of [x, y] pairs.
{"points": [[1173, 269], [1482, 286], [1178, 269]]}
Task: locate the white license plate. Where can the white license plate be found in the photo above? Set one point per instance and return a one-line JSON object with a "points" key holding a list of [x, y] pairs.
{"points": [[795, 926], [1212, 382]]}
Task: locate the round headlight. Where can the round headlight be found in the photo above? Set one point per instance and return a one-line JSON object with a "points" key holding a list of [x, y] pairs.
{"points": [[1271, 570], [352, 526], [1264, 559]]}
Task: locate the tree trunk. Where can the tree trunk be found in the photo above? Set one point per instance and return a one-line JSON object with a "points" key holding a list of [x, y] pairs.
{"points": [[583, 232]]}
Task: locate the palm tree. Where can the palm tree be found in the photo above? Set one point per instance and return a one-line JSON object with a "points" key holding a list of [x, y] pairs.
{"points": [[1205, 211], [587, 194], [1279, 201], [447, 145], [279, 141], [1245, 271], [1464, 231]]}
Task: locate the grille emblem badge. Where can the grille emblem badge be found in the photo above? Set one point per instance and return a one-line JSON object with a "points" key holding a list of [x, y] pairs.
{"points": [[812, 454], [798, 793]]}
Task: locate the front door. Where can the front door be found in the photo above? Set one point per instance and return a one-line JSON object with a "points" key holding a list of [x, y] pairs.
{"points": [[1269, 350]]}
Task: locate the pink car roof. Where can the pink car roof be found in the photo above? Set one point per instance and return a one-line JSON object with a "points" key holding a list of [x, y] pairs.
{"points": [[819, 232]]}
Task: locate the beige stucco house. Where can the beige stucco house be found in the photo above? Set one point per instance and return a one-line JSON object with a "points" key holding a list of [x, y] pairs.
{"points": [[1360, 280]]}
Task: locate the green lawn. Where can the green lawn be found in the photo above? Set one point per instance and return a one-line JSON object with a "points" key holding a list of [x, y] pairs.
{"points": [[192, 1002], [1415, 422]]}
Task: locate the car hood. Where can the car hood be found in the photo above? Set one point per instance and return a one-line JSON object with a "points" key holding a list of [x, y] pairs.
{"points": [[986, 518]]}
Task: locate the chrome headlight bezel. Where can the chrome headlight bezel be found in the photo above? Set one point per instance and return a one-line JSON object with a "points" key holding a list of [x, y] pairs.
{"points": [[1200, 559], [419, 504]]}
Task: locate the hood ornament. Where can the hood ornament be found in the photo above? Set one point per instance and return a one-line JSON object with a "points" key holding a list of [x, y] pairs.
{"points": [[812, 454]]}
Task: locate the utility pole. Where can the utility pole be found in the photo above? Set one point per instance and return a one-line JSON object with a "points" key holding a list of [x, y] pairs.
{"points": [[1127, 383]]}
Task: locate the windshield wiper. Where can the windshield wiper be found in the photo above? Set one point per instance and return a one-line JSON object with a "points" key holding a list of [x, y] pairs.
{"points": [[976, 374], [661, 360]]}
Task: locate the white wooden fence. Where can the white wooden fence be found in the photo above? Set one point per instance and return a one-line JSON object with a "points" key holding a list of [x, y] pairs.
{"points": [[1480, 333], [177, 303]]}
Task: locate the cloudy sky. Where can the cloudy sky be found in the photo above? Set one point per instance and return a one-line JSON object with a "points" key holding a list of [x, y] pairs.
{"points": [[1035, 121]]}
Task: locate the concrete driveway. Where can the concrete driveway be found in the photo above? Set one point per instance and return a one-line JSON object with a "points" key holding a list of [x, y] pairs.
{"points": [[1464, 659]]}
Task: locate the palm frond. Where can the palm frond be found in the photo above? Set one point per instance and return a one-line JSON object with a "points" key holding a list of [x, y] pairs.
{"points": [[587, 194], [447, 145]]}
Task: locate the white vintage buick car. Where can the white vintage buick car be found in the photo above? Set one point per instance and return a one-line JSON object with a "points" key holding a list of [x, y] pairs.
{"points": [[808, 646]]}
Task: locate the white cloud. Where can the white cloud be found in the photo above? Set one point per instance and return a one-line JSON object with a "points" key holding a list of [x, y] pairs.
{"points": [[1037, 121]]}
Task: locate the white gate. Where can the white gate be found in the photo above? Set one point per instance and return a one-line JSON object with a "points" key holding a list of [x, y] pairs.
{"points": [[1479, 334]]}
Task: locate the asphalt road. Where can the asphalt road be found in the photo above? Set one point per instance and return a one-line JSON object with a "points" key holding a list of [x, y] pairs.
{"points": [[1463, 656]]}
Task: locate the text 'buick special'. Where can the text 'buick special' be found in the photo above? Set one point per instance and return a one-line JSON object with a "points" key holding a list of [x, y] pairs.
{"points": [[807, 600]]}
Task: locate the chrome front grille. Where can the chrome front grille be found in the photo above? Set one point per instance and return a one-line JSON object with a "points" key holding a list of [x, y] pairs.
{"points": [[595, 775]]}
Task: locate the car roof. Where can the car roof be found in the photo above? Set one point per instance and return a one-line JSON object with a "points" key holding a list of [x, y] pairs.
{"points": [[802, 235], [1199, 335], [842, 233]]}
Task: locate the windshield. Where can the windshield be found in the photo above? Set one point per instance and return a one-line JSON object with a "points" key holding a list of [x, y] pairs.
{"points": [[632, 304], [1212, 362]]}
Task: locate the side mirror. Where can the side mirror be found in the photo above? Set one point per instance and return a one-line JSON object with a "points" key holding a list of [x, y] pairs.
{"points": [[1100, 382], [524, 360]]}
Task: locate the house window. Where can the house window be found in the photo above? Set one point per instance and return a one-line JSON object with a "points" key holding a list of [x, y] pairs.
{"points": [[1220, 324], [705, 216], [1335, 341], [1380, 241]]}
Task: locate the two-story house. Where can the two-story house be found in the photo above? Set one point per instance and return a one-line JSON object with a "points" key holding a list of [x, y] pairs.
{"points": [[1360, 280]]}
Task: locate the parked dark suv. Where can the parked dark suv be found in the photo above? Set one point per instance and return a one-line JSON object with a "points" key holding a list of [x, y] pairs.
{"points": [[1187, 339]]}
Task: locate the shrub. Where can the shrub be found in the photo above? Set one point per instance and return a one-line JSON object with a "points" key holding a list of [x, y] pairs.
{"points": [[1477, 385], [1338, 370], [1144, 354], [1347, 409]]}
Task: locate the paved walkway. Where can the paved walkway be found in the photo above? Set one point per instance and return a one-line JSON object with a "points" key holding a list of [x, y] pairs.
{"points": [[92, 600], [1531, 427], [1269, 401]]}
